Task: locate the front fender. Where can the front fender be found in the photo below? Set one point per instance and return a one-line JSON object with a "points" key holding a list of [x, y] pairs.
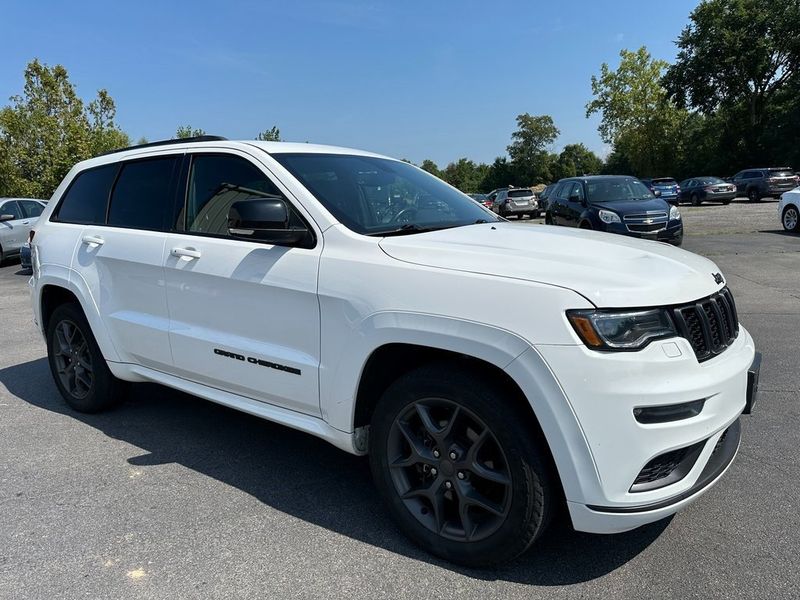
{"points": [[339, 380]]}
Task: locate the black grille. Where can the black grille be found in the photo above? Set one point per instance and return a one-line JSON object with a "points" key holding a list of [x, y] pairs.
{"points": [[667, 468], [710, 324], [647, 226]]}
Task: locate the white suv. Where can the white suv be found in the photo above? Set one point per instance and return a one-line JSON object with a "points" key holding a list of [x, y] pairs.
{"points": [[492, 371]]}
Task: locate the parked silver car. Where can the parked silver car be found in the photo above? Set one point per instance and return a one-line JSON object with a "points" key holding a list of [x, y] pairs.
{"points": [[517, 202], [17, 218]]}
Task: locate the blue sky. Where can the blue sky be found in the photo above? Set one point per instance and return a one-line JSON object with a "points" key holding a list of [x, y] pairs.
{"points": [[411, 79]]}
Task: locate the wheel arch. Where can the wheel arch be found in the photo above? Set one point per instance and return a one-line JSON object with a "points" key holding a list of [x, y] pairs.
{"points": [[54, 291]]}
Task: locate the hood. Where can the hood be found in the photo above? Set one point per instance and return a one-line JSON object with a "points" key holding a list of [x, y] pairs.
{"points": [[609, 270], [626, 207]]}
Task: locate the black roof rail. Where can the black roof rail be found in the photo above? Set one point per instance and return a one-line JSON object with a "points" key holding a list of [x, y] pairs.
{"points": [[197, 138]]}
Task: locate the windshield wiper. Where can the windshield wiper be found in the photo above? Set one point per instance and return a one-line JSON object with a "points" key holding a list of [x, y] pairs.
{"points": [[408, 228]]}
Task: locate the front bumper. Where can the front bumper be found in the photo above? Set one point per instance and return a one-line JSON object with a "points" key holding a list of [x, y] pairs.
{"points": [[603, 389]]}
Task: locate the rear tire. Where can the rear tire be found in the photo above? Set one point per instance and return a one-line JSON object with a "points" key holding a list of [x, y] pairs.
{"points": [[726, 202], [696, 200], [489, 503], [2, 256], [753, 195], [77, 364]]}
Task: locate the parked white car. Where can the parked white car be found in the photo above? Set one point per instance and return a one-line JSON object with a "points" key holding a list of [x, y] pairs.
{"points": [[789, 210], [17, 218], [345, 294]]}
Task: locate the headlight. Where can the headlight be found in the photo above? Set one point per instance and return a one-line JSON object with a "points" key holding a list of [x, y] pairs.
{"points": [[674, 214], [621, 330], [606, 216]]}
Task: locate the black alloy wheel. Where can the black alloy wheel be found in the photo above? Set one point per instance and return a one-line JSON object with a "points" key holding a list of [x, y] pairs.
{"points": [[449, 470]]}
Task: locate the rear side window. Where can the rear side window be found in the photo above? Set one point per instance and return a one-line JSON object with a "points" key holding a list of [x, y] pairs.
{"points": [[86, 199], [31, 209], [143, 197]]}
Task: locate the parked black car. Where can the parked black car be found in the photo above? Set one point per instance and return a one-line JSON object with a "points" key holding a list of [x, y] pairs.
{"points": [[763, 182], [706, 189], [615, 204], [544, 195]]}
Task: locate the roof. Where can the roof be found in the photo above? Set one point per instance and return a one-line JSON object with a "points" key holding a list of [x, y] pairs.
{"points": [[157, 148]]}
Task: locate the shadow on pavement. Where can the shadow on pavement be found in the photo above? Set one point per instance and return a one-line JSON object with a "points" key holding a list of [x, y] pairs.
{"points": [[305, 477], [780, 232]]}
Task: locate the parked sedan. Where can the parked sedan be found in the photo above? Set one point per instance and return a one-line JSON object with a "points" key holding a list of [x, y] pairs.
{"points": [[615, 204], [666, 187], [481, 199], [17, 218], [706, 189]]}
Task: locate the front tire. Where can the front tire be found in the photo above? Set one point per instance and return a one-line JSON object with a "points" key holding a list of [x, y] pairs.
{"points": [[459, 467], [77, 364], [790, 219]]}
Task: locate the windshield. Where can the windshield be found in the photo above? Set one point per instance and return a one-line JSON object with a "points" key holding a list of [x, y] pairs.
{"points": [[520, 193], [664, 182], [613, 190], [780, 173], [375, 196]]}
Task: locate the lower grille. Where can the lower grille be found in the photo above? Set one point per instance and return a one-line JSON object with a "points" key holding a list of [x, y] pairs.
{"points": [[667, 468], [710, 325]]}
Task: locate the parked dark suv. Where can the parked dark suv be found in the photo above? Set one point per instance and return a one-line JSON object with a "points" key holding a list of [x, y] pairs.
{"points": [[615, 204], [765, 182]]}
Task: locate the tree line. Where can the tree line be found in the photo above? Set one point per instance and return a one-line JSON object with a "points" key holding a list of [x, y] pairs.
{"points": [[730, 100]]}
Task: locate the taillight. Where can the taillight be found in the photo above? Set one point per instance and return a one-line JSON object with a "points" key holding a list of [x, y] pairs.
{"points": [[677, 188], [708, 188]]}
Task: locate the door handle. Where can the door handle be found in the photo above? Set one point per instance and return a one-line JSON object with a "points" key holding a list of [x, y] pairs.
{"points": [[187, 252], [93, 239]]}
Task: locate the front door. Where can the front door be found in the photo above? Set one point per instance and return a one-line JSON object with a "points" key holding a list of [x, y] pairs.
{"points": [[244, 315], [14, 231]]}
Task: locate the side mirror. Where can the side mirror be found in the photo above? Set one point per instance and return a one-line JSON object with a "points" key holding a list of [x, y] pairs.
{"points": [[6, 218], [264, 220], [657, 193], [577, 198]]}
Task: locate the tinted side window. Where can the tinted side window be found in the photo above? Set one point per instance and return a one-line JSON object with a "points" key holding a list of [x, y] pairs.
{"points": [[143, 196], [31, 209], [86, 199], [215, 183], [11, 208]]}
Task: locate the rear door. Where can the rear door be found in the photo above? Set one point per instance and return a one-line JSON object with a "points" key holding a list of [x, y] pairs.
{"points": [[120, 257], [13, 232], [244, 314]]}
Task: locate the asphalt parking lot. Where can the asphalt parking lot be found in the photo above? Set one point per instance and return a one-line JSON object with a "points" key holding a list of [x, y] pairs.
{"points": [[172, 497]]}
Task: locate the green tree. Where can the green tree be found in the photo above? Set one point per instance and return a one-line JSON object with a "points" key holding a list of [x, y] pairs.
{"points": [[735, 57], [47, 129], [637, 116], [528, 149], [465, 175], [585, 161], [270, 135], [431, 167], [186, 131]]}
